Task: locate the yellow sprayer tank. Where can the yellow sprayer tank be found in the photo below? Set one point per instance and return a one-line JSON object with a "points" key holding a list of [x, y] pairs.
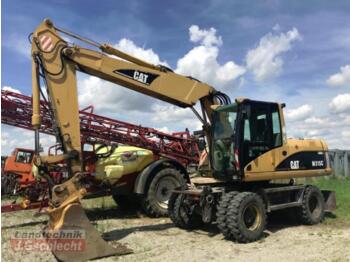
{"points": [[123, 161]]}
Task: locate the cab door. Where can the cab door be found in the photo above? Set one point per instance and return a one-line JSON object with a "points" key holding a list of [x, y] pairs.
{"points": [[261, 134]]}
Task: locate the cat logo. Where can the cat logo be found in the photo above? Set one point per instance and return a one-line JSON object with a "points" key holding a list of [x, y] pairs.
{"points": [[141, 77], [294, 164], [145, 78]]}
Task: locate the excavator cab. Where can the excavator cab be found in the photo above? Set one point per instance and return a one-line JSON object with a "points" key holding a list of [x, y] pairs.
{"points": [[241, 132]]}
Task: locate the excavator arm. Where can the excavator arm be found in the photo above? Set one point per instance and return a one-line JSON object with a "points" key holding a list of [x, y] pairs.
{"points": [[56, 62]]}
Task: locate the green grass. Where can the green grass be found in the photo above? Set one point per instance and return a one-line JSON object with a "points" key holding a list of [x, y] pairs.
{"points": [[342, 189]]}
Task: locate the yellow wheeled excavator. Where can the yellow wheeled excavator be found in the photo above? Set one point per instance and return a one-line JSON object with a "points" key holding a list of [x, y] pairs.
{"points": [[247, 141]]}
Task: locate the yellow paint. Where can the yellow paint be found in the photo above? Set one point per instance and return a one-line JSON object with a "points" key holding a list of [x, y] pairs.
{"points": [[117, 164], [263, 167]]}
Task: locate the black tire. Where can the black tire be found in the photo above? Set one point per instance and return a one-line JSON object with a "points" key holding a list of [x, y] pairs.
{"points": [[9, 184], [181, 214], [3, 186], [313, 206], [155, 201], [221, 214], [126, 202], [171, 206], [246, 217]]}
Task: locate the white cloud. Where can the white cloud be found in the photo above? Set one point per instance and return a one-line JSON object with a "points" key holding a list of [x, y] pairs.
{"points": [[346, 120], [316, 120], [346, 134], [202, 61], [313, 133], [108, 97], [340, 103], [9, 88], [131, 48], [334, 130], [13, 137], [265, 60], [164, 129], [182, 118], [205, 37], [18, 44], [276, 27], [340, 79], [299, 113]]}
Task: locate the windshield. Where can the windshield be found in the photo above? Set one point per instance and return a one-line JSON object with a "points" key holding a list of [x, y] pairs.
{"points": [[224, 126], [24, 157]]}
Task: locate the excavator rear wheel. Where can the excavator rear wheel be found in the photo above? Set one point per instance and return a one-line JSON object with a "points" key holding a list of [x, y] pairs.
{"points": [[221, 214], [155, 201], [246, 217], [182, 214], [313, 206]]}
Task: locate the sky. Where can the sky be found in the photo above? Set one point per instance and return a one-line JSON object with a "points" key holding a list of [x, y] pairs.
{"points": [[295, 52]]}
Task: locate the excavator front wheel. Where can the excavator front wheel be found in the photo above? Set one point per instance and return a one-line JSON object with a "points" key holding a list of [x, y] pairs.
{"points": [[221, 214], [246, 217]]}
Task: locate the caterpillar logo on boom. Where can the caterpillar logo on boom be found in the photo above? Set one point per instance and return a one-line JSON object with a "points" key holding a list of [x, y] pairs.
{"points": [[139, 76]]}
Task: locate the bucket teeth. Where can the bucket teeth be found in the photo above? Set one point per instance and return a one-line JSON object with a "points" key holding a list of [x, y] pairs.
{"points": [[88, 242]]}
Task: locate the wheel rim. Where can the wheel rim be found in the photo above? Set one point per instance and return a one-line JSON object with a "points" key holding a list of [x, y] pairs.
{"points": [[314, 206], [252, 217], [163, 190]]}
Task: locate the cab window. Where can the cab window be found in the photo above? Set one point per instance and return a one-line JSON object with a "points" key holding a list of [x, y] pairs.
{"points": [[276, 129], [223, 140], [24, 157], [261, 130]]}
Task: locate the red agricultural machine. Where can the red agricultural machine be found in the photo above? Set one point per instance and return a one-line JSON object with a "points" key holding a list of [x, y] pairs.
{"points": [[177, 150]]}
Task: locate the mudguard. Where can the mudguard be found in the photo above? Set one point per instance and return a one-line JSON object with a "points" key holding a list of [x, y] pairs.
{"points": [[150, 171]]}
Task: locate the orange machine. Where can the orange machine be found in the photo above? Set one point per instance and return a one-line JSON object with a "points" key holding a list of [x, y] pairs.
{"points": [[17, 176], [19, 165]]}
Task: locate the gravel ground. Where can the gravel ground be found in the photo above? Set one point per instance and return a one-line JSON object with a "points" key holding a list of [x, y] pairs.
{"points": [[159, 240]]}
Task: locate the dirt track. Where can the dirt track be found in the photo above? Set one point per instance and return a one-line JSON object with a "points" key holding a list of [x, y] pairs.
{"points": [[158, 240]]}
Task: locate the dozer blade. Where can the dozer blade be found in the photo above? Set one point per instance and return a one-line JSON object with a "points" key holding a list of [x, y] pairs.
{"points": [[74, 219], [330, 200]]}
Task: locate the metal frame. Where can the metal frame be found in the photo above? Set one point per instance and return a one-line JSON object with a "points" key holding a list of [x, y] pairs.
{"points": [[16, 111]]}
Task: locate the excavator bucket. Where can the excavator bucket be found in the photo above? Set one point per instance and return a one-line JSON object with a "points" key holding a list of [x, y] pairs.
{"points": [[85, 242], [69, 233]]}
